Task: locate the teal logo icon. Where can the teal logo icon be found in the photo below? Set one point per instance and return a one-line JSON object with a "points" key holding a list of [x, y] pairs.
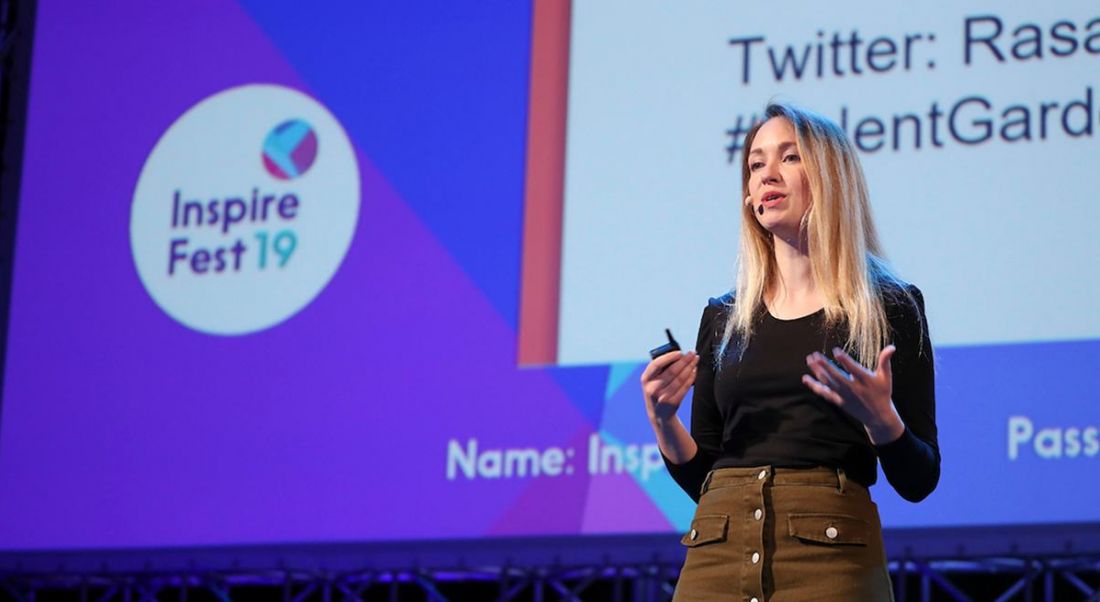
{"points": [[290, 149]]}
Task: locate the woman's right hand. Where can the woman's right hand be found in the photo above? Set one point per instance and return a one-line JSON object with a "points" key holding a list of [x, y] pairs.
{"points": [[665, 382]]}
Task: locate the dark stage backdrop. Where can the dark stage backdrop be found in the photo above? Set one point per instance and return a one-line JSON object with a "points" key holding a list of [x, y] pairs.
{"points": [[382, 271]]}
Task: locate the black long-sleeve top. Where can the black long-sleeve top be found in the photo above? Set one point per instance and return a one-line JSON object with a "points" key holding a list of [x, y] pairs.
{"points": [[752, 409]]}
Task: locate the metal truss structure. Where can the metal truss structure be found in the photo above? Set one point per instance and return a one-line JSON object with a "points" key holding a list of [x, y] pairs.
{"points": [[1051, 579], [1061, 579]]}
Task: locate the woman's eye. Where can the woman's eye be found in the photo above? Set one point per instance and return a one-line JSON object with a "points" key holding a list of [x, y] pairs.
{"points": [[755, 166], [791, 158]]}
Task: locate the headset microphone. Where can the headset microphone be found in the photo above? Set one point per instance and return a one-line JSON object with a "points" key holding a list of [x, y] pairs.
{"points": [[760, 209]]}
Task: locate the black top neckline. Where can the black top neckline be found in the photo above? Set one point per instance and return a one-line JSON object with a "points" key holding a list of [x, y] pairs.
{"points": [[769, 314]]}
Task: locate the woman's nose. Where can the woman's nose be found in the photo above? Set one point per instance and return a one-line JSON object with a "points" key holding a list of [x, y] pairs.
{"points": [[769, 174]]}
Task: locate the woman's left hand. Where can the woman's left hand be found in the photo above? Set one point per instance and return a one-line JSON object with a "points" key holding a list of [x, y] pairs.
{"points": [[863, 393]]}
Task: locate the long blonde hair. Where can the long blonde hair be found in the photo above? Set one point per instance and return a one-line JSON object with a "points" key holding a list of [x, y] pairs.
{"points": [[849, 267]]}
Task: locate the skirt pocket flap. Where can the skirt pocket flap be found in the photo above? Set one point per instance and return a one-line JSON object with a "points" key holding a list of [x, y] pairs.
{"points": [[708, 528], [829, 528]]}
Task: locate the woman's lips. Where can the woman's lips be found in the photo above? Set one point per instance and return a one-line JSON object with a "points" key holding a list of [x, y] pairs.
{"points": [[774, 200]]}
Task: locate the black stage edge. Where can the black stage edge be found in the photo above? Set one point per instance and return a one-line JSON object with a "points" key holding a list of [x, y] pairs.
{"points": [[961, 543], [16, 43]]}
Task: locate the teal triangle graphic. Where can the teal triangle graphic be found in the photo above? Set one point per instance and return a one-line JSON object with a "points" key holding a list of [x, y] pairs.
{"points": [[666, 494], [617, 375]]}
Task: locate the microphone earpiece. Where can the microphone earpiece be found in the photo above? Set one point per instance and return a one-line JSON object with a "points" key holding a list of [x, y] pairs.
{"points": [[759, 208]]}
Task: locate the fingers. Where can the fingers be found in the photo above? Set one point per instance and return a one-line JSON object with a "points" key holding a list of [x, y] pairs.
{"points": [[665, 377], [835, 373], [884, 364], [825, 371], [677, 369], [822, 390], [674, 389], [688, 377], [854, 368], [660, 363]]}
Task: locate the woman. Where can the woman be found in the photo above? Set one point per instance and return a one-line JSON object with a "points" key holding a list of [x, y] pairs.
{"points": [[787, 420]]}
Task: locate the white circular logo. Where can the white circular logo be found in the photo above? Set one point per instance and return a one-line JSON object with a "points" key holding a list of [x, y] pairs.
{"points": [[244, 209]]}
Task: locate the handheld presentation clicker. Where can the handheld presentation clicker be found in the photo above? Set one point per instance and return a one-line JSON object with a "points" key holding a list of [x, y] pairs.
{"points": [[671, 345]]}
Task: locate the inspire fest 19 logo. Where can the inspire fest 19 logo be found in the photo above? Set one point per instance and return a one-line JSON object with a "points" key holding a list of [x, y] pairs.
{"points": [[288, 153], [244, 209]]}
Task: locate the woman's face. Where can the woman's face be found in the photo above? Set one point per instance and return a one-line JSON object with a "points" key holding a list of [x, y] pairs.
{"points": [[779, 193]]}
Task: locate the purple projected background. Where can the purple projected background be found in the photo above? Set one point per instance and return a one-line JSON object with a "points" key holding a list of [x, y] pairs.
{"points": [[123, 427]]}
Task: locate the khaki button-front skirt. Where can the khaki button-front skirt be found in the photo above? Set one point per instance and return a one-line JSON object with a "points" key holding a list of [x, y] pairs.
{"points": [[784, 535]]}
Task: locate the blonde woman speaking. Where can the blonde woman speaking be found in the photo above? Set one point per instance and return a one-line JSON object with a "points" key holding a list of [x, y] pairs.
{"points": [[815, 368]]}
